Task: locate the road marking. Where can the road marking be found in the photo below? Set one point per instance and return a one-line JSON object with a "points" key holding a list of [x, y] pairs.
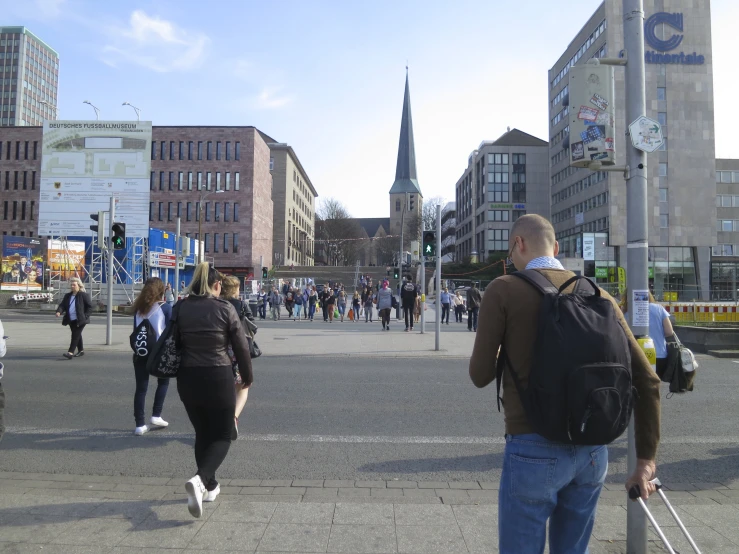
{"points": [[56, 434]]}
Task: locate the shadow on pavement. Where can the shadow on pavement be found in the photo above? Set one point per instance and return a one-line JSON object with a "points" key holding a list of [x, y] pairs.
{"points": [[480, 462], [109, 440]]}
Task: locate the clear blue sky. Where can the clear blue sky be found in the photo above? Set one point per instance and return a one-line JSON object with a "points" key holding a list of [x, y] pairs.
{"points": [[327, 77]]}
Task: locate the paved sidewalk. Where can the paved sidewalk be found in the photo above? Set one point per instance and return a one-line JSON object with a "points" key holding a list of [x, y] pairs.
{"points": [[275, 338], [99, 514]]}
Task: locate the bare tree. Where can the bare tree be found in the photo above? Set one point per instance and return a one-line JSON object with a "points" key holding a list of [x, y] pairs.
{"points": [[449, 234], [429, 212], [338, 233]]}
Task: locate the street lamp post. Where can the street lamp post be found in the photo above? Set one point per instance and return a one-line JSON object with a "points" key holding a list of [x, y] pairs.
{"points": [[201, 243], [52, 106], [138, 111], [97, 112]]}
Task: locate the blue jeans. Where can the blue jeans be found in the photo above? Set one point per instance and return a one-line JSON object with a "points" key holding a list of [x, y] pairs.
{"points": [[544, 480], [262, 311], [311, 311], [139, 397], [298, 307], [356, 313], [472, 318]]}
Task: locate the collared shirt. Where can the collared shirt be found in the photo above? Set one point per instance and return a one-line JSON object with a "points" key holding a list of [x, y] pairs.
{"points": [[446, 298], [73, 307], [544, 262]]}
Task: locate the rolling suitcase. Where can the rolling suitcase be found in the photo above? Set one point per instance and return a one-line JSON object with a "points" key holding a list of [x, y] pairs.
{"points": [[635, 494]]}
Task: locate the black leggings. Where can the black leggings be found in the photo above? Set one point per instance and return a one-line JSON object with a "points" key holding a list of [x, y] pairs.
{"points": [[76, 342], [385, 316], [408, 314], [209, 397]]}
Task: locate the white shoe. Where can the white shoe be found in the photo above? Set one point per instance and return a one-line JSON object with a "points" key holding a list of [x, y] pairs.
{"points": [[210, 496], [141, 430], [158, 422], [195, 492]]}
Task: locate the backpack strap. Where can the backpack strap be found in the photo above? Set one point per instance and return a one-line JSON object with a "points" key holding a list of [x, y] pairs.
{"points": [[536, 280]]}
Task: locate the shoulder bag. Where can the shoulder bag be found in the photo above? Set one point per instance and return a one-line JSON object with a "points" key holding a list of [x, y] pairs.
{"points": [[164, 359]]}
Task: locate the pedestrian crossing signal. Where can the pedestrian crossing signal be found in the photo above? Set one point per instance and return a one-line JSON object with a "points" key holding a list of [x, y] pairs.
{"points": [[429, 243], [396, 273], [264, 272]]}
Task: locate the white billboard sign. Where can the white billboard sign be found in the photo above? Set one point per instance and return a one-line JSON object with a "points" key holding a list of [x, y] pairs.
{"points": [[588, 247], [161, 259], [83, 164]]}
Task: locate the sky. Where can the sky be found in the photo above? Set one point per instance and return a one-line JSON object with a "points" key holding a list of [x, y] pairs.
{"points": [[327, 77]]}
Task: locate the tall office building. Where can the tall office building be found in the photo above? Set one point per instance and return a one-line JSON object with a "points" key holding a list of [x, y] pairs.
{"points": [[29, 78], [589, 208]]}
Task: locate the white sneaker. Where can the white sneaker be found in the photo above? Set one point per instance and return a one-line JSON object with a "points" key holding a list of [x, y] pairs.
{"points": [[195, 492], [210, 496], [141, 430], [158, 422]]}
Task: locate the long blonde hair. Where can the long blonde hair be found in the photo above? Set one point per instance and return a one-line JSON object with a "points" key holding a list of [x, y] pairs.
{"points": [[203, 279], [79, 282]]}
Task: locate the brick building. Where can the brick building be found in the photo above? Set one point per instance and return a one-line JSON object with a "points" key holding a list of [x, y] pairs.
{"points": [[227, 167]]}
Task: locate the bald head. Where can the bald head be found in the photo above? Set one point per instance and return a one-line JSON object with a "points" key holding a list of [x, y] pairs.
{"points": [[537, 234]]}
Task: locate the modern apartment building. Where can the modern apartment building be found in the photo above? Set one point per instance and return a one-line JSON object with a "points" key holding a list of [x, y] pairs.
{"points": [[221, 172], [29, 77], [725, 259], [589, 208], [294, 199], [504, 179]]}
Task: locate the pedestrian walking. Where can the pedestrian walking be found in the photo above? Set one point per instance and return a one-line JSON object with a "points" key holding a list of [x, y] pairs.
{"points": [[298, 295], [408, 295], [275, 300], [149, 306], [417, 308], [312, 301], [546, 480], [262, 304], [76, 307], [473, 307], [369, 303], [384, 301], [341, 303], [356, 305], [446, 303], [326, 293], [207, 325], [289, 303], [169, 295], [230, 292], [660, 329], [330, 301], [458, 303], [3, 350]]}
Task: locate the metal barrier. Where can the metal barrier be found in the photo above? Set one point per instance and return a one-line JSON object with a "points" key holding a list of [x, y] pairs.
{"points": [[704, 312]]}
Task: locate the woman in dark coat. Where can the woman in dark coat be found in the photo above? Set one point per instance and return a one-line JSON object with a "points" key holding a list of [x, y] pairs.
{"points": [[76, 307]]}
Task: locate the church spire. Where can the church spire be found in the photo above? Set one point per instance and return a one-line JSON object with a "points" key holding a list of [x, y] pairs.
{"points": [[405, 171]]}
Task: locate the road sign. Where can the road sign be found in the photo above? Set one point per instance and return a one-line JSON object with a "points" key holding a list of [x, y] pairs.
{"points": [[646, 134], [160, 259]]}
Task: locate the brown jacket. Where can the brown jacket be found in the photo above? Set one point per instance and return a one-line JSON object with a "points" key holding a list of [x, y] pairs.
{"points": [[508, 317], [207, 326]]}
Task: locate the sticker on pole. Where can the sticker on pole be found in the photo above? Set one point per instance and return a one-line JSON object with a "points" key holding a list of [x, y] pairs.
{"points": [[646, 134], [640, 308]]}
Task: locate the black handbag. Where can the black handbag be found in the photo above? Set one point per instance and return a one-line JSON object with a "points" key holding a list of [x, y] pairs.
{"points": [[164, 359]]}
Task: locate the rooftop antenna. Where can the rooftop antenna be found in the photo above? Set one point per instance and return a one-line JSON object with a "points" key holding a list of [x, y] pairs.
{"points": [[509, 129]]}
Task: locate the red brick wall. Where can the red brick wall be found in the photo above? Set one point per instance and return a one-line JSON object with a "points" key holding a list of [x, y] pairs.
{"points": [[9, 191]]}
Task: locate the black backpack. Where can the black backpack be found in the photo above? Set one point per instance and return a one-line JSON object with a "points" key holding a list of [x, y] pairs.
{"points": [[579, 389], [142, 341]]}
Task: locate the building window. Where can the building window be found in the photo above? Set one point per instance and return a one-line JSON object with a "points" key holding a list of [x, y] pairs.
{"points": [[215, 242], [172, 155], [190, 149], [23, 210], [236, 240], [182, 150], [163, 150], [210, 150], [236, 181], [169, 211], [151, 211], [207, 242], [189, 211], [189, 180], [161, 210], [200, 150], [35, 149], [500, 240], [661, 93], [152, 181], [236, 213], [180, 181], [200, 180], [271, 164], [171, 180], [663, 195], [207, 181], [662, 118], [228, 181], [207, 211], [228, 157], [218, 150], [217, 211], [237, 156], [226, 211], [498, 215], [498, 193], [517, 214], [397, 205], [179, 209], [25, 180], [663, 170], [218, 180], [663, 221], [225, 243]]}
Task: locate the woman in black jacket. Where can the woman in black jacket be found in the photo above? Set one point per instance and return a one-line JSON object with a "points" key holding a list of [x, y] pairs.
{"points": [[76, 307]]}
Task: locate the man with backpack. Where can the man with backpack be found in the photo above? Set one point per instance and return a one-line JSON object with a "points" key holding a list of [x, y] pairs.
{"points": [[567, 361]]}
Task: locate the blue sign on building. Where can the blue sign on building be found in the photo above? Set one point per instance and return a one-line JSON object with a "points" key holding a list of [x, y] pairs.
{"points": [[661, 46]]}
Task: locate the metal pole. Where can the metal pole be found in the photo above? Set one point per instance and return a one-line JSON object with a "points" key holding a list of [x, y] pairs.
{"points": [[438, 277], [176, 287], [109, 327], [423, 291], [636, 226], [261, 265]]}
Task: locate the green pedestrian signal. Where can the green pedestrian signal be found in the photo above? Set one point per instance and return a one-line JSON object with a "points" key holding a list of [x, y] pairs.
{"points": [[396, 273], [264, 272], [429, 243], [119, 236]]}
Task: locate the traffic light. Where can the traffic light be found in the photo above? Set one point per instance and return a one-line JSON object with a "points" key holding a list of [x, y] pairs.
{"points": [[429, 243], [264, 272], [100, 228], [119, 236], [396, 273]]}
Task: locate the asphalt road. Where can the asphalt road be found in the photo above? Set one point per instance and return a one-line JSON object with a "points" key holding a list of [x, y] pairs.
{"points": [[331, 418]]}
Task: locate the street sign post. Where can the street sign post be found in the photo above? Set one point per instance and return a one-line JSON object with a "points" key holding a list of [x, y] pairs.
{"points": [[646, 134]]}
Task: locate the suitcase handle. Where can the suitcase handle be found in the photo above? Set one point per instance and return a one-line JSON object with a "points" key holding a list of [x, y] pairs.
{"points": [[635, 491]]}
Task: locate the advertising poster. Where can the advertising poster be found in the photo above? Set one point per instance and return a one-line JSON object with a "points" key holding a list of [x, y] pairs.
{"points": [[592, 115], [84, 163], [588, 247], [640, 310], [66, 259], [22, 264]]}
